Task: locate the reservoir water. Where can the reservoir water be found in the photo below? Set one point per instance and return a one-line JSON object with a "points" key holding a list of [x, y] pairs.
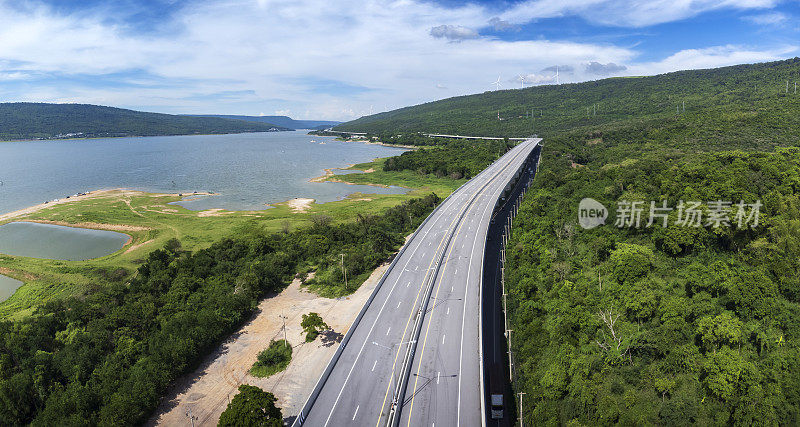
{"points": [[246, 170], [58, 242], [7, 287]]}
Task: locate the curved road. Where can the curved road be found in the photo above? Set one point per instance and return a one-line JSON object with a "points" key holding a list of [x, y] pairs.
{"points": [[439, 271]]}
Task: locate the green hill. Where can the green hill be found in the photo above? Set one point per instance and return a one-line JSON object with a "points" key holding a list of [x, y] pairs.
{"points": [[53, 121], [750, 91]]}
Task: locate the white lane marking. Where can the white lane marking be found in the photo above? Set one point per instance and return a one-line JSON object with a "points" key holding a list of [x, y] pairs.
{"points": [[448, 310], [387, 331], [456, 272], [398, 304], [464, 318], [443, 339], [375, 323], [373, 365], [451, 289], [423, 254], [356, 412], [438, 375], [416, 268], [408, 284]]}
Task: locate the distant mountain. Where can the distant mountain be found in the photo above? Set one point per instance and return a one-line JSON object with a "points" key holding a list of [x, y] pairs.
{"points": [[278, 120], [56, 121]]}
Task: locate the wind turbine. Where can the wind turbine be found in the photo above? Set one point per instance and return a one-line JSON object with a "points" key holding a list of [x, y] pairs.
{"points": [[522, 79], [497, 83]]}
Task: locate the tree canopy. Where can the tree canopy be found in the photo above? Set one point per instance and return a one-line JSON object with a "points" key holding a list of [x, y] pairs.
{"points": [[251, 407]]}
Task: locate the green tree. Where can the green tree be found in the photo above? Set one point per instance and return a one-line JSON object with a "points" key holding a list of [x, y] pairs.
{"points": [[715, 331], [630, 261], [312, 325], [252, 407]]}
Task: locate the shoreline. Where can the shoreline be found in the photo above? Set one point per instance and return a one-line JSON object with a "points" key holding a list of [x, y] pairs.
{"points": [[142, 136], [298, 204], [328, 177], [9, 216]]}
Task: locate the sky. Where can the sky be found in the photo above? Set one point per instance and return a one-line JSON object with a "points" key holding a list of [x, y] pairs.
{"points": [[342, 59]]}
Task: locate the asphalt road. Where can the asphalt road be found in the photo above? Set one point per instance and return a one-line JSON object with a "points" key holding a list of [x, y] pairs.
{"points": [[440, 269]]}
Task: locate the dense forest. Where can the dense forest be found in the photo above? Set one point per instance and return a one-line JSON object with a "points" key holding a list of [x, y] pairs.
{"points": [[50, 121], [658, 325], [107, 357]]}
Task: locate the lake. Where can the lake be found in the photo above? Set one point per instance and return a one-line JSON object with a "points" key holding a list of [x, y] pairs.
{"points": [[7, 287], [246, 170], [58, 242]]}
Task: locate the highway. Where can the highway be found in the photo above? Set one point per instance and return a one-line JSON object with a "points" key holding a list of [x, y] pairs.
{"points": [[417, 341]]}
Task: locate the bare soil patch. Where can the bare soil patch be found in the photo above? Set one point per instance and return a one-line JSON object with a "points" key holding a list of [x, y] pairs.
{"points": [[207, 390]]}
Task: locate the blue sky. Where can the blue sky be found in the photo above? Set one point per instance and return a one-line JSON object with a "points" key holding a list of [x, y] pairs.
{"points": [[340, 60]]}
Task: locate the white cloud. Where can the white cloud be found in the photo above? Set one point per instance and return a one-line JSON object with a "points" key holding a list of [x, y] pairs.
{"points": [[454, 33], [595, 67], [320, 59], [718, 56], [767, 19], [626, 13]]}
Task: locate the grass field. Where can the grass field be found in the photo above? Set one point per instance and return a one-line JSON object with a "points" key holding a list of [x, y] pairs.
{"points": [[151, 221]]}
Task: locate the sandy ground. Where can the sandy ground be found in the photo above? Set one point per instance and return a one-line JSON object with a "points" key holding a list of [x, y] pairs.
{"points": [[330, 176], [206, 392], [213, 212], [300, 205]]}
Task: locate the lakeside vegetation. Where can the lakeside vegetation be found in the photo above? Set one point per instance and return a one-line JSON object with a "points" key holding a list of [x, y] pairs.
{"points": [[151, 220], [23, 120], [456, 160]]}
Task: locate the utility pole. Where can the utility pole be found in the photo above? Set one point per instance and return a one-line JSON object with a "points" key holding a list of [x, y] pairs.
{"points": [[510, 366], [520, 407], [344, 273], [285, 340], [191, 417]]}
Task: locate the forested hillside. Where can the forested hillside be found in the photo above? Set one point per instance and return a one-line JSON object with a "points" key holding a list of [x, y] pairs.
{"points": [[751, 94], [48, 121]]}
